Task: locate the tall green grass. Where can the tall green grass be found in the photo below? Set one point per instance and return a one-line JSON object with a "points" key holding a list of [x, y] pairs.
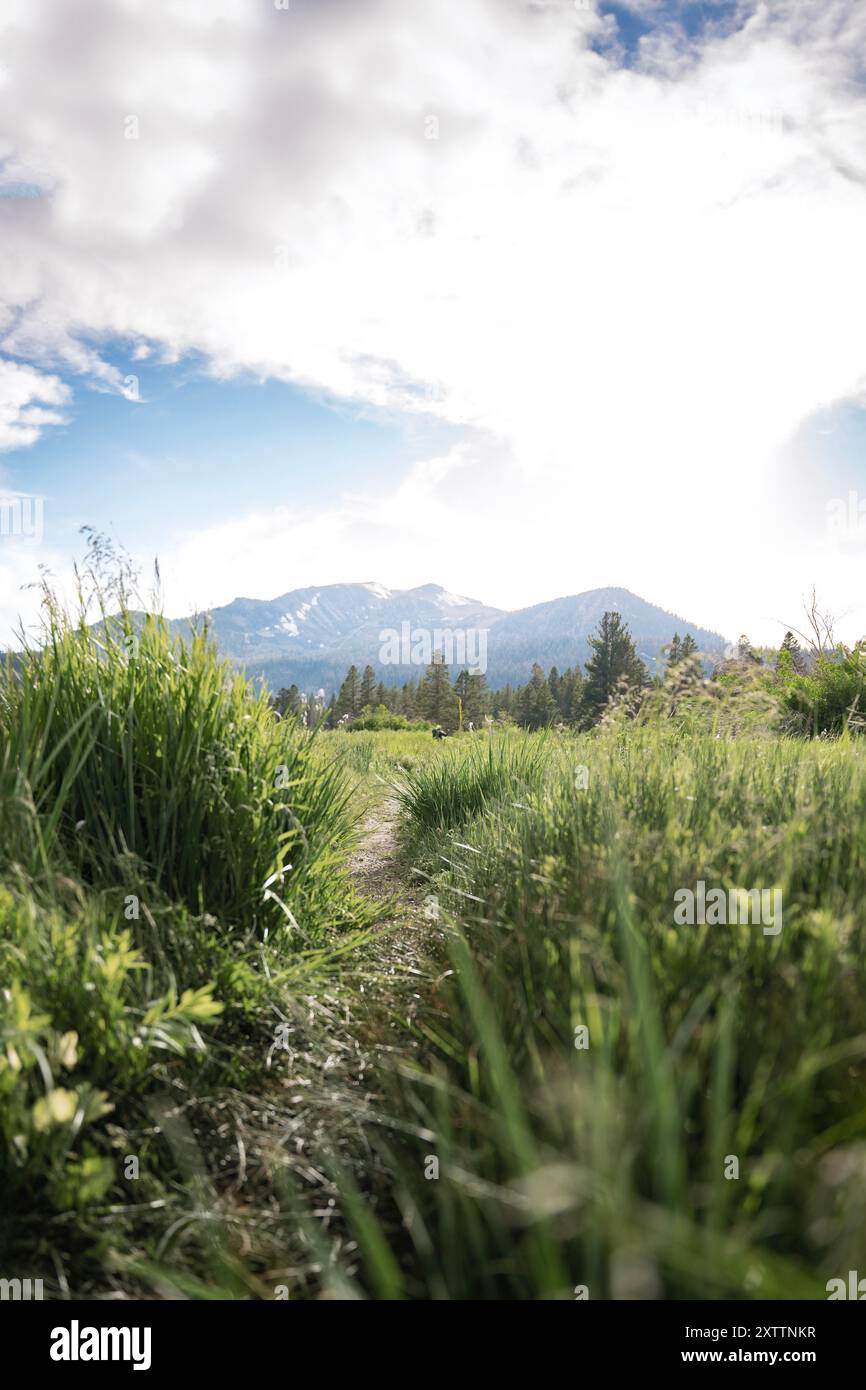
{"points": [[467, 778], [563, 1166], [189, 979], [173, 857], [147, 750]]}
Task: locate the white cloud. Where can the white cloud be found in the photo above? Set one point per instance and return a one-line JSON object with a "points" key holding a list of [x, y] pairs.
{"points": [[28, 403], [631, 285]]}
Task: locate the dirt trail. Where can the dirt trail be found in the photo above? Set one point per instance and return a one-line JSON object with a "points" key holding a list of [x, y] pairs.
{"points": [[378, 874], [374, 864]]}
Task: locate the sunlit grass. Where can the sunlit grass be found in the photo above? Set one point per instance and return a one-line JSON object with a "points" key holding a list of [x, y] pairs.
{"points": [[605, 1165], [174, 861], [537, 1089]]}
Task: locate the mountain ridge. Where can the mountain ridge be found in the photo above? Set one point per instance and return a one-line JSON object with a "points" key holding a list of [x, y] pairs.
{"points": [[310, 636]]}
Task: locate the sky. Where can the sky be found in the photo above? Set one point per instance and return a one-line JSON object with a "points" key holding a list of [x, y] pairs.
{"points": [[521, 297]]}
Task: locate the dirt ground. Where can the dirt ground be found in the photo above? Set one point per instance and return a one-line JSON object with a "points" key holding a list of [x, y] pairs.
{"points": [[378, 874], [374, 863]]}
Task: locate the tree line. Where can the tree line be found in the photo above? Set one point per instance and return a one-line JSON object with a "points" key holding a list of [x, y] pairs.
{"points": [[572, 697], [812, 690]]}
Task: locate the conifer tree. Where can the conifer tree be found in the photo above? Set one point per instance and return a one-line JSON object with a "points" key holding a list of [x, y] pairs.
{"points": [[746, 652], [504, 701], [470, 688], [436, 700], [348, 700], [407, 705], [682, 653], [613, 666], [368, 687], [795, 653], [570, 691], [287, 702], [537, 707]]}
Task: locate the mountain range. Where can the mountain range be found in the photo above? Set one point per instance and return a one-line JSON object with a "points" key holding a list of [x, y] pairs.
{"points": [[309, 637]]}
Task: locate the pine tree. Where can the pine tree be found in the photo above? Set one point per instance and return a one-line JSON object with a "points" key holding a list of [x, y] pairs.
{"points": [[795, 653], [436, 700], [477, 702], [570, 692], [746, 652], [288, 702], [613, 666], [537, 707], [504, 701], [348, 700], [565, 695], [470, 688], [407, 704], [682, 654], [368, 687]]}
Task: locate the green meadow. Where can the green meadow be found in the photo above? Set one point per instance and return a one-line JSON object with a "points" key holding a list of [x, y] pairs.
{"points": [[228, 1070]]}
